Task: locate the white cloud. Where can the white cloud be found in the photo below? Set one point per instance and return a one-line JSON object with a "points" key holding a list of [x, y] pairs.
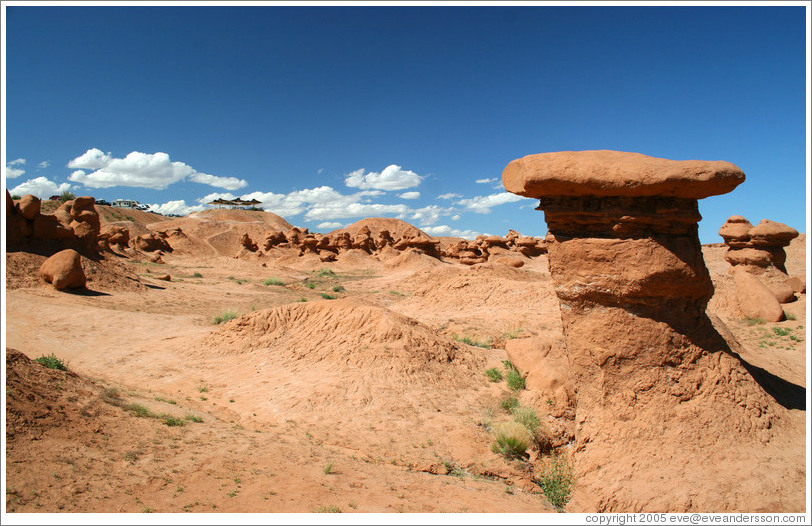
{"points": [[409, 195], [329, 225], [456, 217], [428, 215], [175, 207], [11, 173], [41, 187], [216, 195], [449, 196], [482, 204], [93, 159], [145, 170], [393, 177], [44, 164], [17, 161], [445, 230], [486, 181], [341, 210], [229, 183]]}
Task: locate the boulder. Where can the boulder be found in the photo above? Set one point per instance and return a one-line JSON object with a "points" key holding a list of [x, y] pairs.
{"points": [[510, 262], [544, 364], [29, 206], [797, 284], [151, 242], [49, 227], [64, 270], [755, 299], [782, 292]]}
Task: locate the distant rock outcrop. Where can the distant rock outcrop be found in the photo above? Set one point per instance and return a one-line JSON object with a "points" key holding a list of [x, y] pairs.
{"points": [[375, 235], [759, 251]]}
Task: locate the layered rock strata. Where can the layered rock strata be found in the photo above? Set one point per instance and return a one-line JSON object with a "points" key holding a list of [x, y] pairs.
{"points": [[625, 257]]}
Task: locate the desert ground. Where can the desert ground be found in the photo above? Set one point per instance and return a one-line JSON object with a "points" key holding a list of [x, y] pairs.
{"points": [[352, 385]]}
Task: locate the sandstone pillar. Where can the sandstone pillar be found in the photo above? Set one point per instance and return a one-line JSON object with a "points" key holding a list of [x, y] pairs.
{"points": [[627, 264]]}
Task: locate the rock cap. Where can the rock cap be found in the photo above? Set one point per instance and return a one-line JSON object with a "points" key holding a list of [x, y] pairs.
{"points": [[607, 173]]}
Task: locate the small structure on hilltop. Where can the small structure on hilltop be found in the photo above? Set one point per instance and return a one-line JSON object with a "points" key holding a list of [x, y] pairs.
{"points": [[235, 203]]}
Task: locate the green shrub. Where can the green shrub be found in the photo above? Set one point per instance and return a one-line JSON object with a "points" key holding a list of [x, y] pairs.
{"points": [[511, 439], [754, 321], [326, 272], [310, 285], [139, 411], [66, 196], [515, 380], [224, 317], [16, 197], [52, 362], [781, 331], [193, 418], [494, 374], [173, 421], [527, 417], [509, 402], [556, 480], [338, 288], [274, 281], [327, 296], [197, 275], [470, 341]]}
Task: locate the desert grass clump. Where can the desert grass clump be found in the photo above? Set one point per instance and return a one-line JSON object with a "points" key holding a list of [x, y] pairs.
{"points": [[327, 296], [556, 479], [328, 469], [197, 275], [511, 439], [509, 402], [310, 285], [226, 315], [52, 362], [173, 421], [754, 321], [274, 281], [471, 341], [514, 378], [494, 374], [326, 273], [194, 418], [538, 430], [338, 288]]}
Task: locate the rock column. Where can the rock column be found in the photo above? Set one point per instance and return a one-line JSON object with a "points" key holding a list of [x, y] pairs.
{"points": [[627, 264]]}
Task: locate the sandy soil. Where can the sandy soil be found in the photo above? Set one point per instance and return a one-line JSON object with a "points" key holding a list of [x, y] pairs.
{"points": [[369, 402]]}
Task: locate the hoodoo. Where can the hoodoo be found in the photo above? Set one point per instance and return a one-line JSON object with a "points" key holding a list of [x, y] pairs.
{"points": [[647, 363]]}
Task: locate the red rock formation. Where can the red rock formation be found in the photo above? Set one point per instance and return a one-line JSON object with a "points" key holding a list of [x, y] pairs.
{"points": [[756, 247], [625, 258], [64, 270]]}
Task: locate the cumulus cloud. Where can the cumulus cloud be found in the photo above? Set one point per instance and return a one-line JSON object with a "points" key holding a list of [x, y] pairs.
{"points": [[17, 161], [482, 204], [445, 230], [175, 207], [216, 195], [449, 196], [93, 159], [428, 215], [393, 177], [144, 170], [41, 187], [341, 210], [11, 173], [329, 225], [456, 217], [229, 183], [44, 164], [409, 195]]}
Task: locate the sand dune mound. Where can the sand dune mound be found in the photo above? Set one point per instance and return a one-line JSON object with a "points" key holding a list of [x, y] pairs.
{"points": [[349, 333], [244, 216], [485, 286], [396, 228], [345, 358], [112, 214]]}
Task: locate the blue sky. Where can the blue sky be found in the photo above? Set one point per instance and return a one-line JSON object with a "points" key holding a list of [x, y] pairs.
{"points": [[331, 114]]}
